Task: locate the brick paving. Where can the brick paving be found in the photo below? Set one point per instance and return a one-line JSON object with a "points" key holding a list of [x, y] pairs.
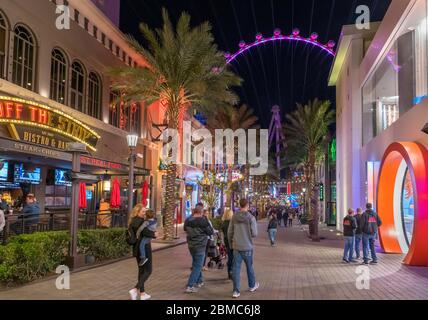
{"points": [[296, 269]]}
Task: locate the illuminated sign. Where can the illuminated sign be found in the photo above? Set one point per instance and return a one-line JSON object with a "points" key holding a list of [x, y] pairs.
{"points": [[36, 123]]}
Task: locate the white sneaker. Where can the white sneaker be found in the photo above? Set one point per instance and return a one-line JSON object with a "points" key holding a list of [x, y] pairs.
{"points": [[236, 295], [133, 294], [191, 290], [257, 285], [145, 296]]}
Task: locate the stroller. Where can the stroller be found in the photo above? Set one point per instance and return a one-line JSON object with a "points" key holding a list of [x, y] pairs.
{"points": [[216, 253]]}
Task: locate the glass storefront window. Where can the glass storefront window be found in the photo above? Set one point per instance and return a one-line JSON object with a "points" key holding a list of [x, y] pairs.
{"points": [[408, 207], [400, 80]]}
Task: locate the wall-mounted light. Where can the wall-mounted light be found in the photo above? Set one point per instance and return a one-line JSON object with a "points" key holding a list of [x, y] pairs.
{"points": [[425, 129]]}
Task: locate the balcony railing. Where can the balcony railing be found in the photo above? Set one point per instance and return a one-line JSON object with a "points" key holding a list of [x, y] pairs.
{"points": [[60, 221]]}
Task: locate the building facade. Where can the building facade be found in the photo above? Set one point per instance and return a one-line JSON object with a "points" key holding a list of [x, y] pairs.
{"points": [[55, 89], [381, 76]]}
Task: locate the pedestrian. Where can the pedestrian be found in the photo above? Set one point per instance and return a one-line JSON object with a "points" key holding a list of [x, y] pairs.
{"points": [[278, 216], [198, 230], [226, 218], [150, 223], [290, 218], [242, 230], [210, 242], [272, 229], [370, 222], [136, 221], [285, 216], [2, 223], [349, 227], [358, 233]]}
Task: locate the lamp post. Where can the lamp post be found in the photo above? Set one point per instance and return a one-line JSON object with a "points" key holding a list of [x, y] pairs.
{"points": [[304, 200], [132, 141]]}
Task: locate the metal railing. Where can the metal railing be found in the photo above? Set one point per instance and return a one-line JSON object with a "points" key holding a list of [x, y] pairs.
{"points": [[60, 221]]}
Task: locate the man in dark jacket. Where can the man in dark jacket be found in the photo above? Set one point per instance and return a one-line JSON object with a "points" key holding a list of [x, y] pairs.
{"points": [[358, 233], [349, 227], [242, 230], [31, 211], [370, 222], [197, 229]]}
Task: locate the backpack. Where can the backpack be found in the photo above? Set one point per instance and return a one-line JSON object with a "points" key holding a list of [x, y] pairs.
{"points": [[131, 237]]}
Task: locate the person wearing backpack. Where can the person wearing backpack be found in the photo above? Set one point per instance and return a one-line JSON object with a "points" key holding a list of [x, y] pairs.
{"points": [[370, 222], [137, 231]]}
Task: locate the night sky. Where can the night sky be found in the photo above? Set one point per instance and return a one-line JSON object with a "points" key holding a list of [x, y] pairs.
{"points": [[282, 73]]}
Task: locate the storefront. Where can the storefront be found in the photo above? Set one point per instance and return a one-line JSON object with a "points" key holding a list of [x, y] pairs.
{"points": [[34, 139], [382, 152]]}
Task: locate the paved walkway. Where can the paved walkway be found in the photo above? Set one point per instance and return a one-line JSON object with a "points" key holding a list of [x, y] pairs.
{"points": [[296, 269]]}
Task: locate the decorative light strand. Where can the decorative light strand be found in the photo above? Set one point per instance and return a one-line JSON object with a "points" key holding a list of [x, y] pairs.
{"points": [[295, 36]]}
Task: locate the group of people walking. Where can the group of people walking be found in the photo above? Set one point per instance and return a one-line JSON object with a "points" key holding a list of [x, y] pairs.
{"points": [[287, 214], [239, 230], [361, 227]]}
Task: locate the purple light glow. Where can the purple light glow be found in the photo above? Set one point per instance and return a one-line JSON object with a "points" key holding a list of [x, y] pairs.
{"points": [[327, 48], [296, 32], [277, 32], [259, 37]]}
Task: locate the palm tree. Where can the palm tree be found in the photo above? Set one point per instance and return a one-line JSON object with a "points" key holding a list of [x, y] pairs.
{"points": [[185, 71], [306, 132], [233, 117]]}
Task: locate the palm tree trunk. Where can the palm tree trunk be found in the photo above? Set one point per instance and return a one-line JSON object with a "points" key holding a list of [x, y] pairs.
{"points": [[170, 190], [313, 205]]}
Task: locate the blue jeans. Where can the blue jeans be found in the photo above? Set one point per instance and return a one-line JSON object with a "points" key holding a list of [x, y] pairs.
{"points": [[247, 257], [349, 248], [198, 257], [358, 240], [369, 245], [272, 235], [143, 243]]}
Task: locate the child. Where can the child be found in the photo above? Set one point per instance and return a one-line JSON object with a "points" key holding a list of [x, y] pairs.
{"points": [[151, 223], [272, 229]]}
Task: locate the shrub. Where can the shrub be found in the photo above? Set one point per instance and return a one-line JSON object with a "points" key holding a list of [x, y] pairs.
{"points": [[103, 244], [29, 257]]}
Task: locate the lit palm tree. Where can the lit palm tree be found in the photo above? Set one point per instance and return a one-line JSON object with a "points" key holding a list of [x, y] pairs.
{"points": [[306, 133], [185, 71]]}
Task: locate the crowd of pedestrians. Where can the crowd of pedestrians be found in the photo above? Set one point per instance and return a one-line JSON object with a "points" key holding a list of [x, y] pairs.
{"points": [[239, 229], [361, 227]]}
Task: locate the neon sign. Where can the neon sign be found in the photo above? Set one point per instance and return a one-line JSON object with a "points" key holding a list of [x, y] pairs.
{"points": [[19, 112]]}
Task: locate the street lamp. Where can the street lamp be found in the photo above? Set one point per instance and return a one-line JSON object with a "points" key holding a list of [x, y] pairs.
{"points": [[132, 141]]}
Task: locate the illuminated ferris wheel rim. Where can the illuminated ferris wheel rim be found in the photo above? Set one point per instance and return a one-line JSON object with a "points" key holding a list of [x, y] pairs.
{"points": [[295, 36]]}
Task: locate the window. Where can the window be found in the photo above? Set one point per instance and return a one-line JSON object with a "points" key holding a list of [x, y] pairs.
{"points": [[58, 196], [3, 47], [400, 80], [125, 117], [24, 58], [59, 67], [94, 96], [77, 90]]}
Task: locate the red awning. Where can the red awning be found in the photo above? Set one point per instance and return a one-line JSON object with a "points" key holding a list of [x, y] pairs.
{"points": [[145, 193], [82, 196], [115, 194]]}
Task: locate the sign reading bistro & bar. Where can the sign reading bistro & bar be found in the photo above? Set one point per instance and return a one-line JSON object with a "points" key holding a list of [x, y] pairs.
{"points": [[42, 125]]}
